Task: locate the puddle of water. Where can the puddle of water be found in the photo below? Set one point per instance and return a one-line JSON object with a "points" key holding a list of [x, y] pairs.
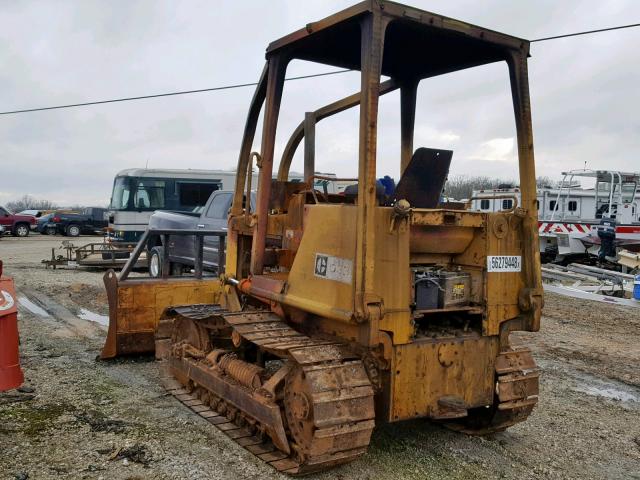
{"points": [[93, 317], [608, 392], [32, 307], [613, 390]]}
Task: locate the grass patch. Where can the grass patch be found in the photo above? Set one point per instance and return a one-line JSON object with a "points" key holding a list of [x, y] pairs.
{"points": [[31, 419]]}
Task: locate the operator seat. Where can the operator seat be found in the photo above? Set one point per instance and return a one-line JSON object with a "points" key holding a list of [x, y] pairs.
{"points": [[424, 177]]}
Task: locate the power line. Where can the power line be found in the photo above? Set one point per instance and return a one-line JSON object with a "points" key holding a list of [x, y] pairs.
{"points": [[586, 32], [242, 85], [170, 94]]}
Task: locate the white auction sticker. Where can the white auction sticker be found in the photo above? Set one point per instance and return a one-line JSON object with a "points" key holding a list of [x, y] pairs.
{"points": [[504, 263], [333, 268], [7, 302]]}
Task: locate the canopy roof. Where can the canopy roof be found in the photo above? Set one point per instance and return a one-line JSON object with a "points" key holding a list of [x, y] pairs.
{"points": [[418, 44]]}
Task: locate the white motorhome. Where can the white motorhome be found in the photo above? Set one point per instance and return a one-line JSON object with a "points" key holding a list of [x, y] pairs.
{"points": [[138, 192]]}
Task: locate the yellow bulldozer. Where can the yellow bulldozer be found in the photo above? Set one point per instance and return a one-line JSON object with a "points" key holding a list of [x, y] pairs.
{"points": [[337, 312]]}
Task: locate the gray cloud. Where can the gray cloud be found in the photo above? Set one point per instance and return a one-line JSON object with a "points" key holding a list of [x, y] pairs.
{"points": [[584, 91]]}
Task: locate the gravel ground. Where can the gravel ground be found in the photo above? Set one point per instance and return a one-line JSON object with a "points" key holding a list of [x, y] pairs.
{"points": [[112, 420]]}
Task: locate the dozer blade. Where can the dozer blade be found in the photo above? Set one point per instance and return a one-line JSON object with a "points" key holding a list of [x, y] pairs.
{"points": [[136, 305]]}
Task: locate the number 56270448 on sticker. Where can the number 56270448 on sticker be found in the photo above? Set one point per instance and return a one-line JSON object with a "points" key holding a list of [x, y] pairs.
{"points": [[504, 263]]}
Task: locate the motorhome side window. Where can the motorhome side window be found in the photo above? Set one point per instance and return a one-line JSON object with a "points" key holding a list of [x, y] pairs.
{"points": [[484, 204], [552, 205], [507, 204], [572, 206], [219, 206], [195, 194], [149, 194]]}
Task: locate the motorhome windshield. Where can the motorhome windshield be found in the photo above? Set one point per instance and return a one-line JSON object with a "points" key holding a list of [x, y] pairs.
{"points": [[121, 193], [137, 193]]}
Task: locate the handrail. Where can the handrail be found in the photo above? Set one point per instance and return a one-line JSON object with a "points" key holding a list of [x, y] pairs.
{"points": [[333, 179], [165, 234]]}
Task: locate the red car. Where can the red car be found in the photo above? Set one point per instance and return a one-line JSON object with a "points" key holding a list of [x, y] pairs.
{"points": [[18, 225]]}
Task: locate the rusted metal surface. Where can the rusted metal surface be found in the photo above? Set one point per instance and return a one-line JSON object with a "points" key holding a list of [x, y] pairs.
{"points": [[517, 389], [136, 307], [245, 373], [275, 82], [408, 96], [322, 388]]}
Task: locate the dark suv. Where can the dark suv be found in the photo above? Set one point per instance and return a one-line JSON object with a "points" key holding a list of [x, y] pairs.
{"points": [[90, 221]]}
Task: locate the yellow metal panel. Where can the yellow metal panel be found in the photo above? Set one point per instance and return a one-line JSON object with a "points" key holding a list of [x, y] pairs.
{"points": [[328, 230], [504, 237], [497, 290], [429, 369], [136, 309], [391, 276]]}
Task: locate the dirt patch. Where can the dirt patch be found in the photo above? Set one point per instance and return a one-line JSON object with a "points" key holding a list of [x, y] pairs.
{"points": [[136, 453], [91, 297], [98, 422]]}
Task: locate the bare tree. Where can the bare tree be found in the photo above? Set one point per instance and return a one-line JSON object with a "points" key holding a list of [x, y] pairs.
{"points": [[27, 202], [544, 181]]}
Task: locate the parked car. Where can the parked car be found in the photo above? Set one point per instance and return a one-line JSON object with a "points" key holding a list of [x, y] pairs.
{"points": [[181, 250], [18, 225], [35, 213], [90, 220], [43, 226], [1, 231]]}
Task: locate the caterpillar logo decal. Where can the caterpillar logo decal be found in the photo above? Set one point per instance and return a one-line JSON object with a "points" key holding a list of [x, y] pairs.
{"points": [[333, 268]]}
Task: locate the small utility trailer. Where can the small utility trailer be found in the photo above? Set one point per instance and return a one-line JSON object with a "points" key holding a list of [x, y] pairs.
{"points": [[105, 254]]}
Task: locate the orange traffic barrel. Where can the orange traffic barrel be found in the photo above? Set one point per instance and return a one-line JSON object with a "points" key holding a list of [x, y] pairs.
{"points": [[10, 372]]}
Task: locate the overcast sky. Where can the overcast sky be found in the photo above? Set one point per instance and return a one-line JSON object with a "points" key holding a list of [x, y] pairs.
{"points": [[584, 91]]}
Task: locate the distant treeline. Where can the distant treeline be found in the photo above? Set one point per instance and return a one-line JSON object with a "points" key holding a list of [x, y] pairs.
{"points": [[462, 186], [28, 202]]}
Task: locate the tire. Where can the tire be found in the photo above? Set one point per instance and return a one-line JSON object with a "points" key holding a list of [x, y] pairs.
{"points": [[155, 259], [73, 230], [50, 231], [21, 230]]}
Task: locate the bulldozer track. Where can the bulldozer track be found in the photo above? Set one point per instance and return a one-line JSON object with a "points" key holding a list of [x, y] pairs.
{"points": [[517, 391], [327, 403]]}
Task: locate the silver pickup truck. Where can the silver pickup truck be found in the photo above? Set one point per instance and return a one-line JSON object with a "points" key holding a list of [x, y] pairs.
{"points": [[181, 248]]}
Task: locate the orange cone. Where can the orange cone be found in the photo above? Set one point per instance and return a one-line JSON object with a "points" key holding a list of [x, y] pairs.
{"points": [[10, 373]]}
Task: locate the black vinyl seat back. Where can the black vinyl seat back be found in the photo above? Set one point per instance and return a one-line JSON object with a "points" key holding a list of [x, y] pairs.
{"points": [[422, 182]]}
